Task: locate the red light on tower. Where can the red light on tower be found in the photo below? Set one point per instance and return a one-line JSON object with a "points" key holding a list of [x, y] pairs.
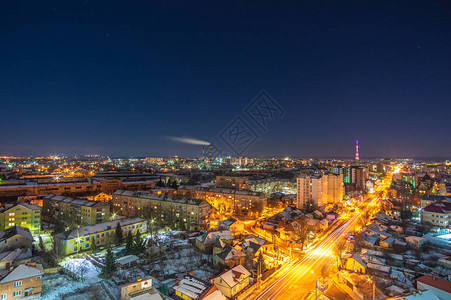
{"points": [[357, 150]]}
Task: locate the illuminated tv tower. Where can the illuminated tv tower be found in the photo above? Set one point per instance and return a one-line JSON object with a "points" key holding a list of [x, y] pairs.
{"points": [[357, 150]]}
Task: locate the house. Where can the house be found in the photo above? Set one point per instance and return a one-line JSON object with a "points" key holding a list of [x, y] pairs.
{"points": [[14, 258], [323, 224], [206, 241], [21, 281], [233, 281], [192, 288], [445, 261], [264, 245], [229, 257], [356, 264], [416, 241], [127, 261], [216, 295], [387, 243], [369, 240], [15, 237], [379, 233], [140, 289], [218, 246], [379, 269], [236, 227], [440, 287]]}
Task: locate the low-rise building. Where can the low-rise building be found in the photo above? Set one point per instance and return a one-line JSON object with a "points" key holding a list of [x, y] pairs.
{"points": [[437, 213], [21, 214], [229, 257], [236, 227], [81, 239], [74, 212], [192, 288], [14, 238], [206, 241], [356, 264], [416, 241], [440, 287], [140, 289], [233, 281], [23, 281], [14, 258]]}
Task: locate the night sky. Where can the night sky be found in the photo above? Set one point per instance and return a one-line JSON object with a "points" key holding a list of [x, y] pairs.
{"points": [[118, 78]]}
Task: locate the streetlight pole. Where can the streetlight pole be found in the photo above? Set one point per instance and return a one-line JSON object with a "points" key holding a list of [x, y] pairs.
{"points": [[374, 290]]}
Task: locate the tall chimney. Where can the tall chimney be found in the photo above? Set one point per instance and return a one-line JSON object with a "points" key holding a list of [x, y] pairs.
{"points": [[210, 151]]}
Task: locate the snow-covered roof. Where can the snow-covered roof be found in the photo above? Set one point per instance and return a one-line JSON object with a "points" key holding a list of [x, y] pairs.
{"points": [[255, 239], [414, 238], [16, 230], [21, 272], [127, 259], [389, 240], [16, 254], [216, 295], [193, 287], [161, 197], [234, 276], [359, 259], [380, 268], [230, 253], [74, 201], [88, 230], [211, 236]]}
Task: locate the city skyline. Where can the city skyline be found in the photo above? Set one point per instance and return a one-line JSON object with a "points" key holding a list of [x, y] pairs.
{"points": [[118, 81]]}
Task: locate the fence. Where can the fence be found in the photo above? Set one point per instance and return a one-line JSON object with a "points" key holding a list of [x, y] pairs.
{"points": [[52, 270]]}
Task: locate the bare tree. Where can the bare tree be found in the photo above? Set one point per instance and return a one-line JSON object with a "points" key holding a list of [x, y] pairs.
{"points": [[339, 248], [300, 228], [365, 218]]}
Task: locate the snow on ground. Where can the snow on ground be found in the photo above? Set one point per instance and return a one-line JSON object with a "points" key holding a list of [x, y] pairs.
{"points": [[82, 268], [55, 286]]}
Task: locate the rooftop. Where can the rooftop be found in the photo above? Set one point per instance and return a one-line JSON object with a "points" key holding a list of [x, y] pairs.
{"points": [[162, 197], [75, 201], [16, 230], [193, 287], [436, 282], [88, 230], [20, 272]]}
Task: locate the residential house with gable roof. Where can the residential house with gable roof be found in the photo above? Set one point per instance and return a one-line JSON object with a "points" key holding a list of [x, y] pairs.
{"points": [[233, 281]]}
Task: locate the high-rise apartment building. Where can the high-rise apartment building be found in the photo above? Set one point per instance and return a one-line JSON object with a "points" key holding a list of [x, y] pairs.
{"points": [[319, 190], [358, 177], [335, 188]]}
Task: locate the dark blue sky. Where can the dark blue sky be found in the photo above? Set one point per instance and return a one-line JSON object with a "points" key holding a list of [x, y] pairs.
{"points": [[113, 77]]}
